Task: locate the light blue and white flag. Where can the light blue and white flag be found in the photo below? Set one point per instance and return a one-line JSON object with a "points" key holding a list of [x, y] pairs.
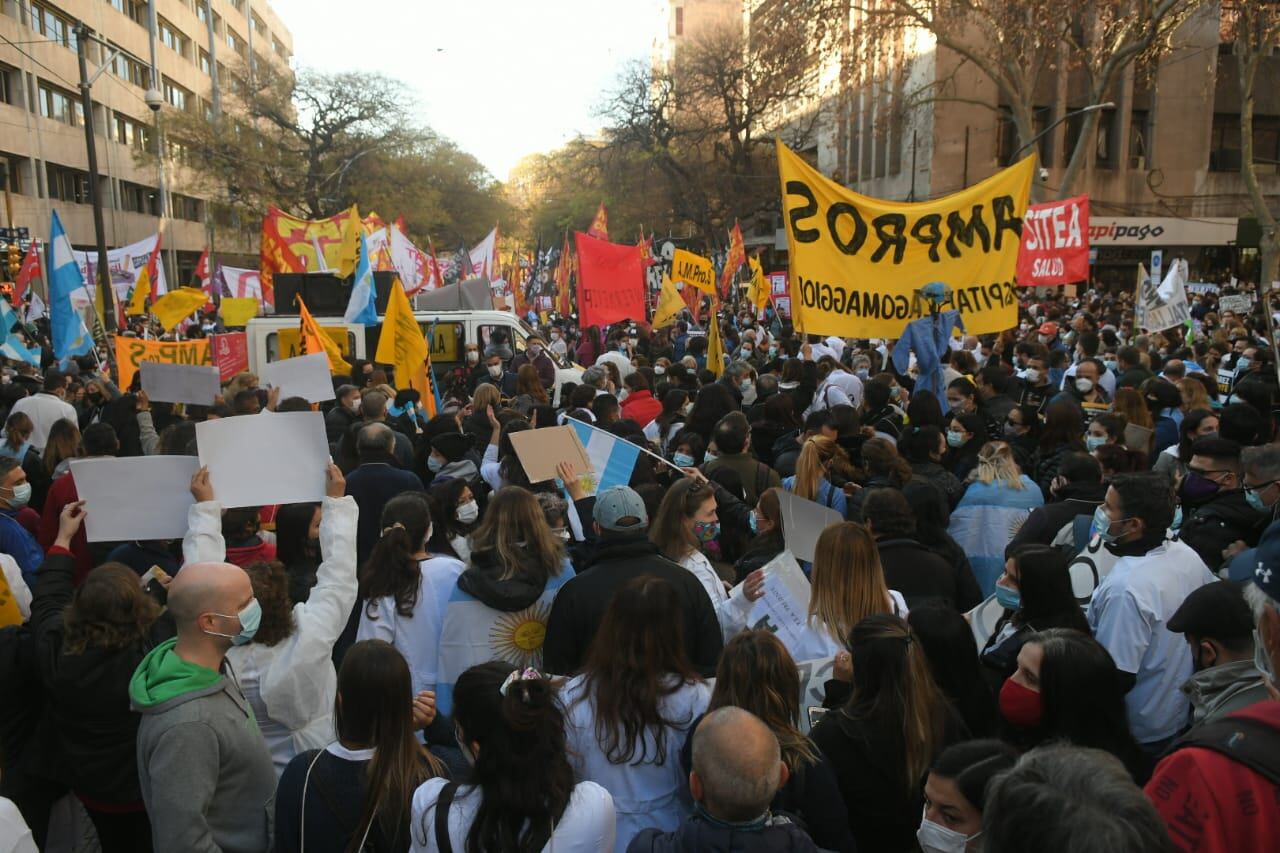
{"points": [[70, 337], [11, 345], [612, 458], [363, 307]]}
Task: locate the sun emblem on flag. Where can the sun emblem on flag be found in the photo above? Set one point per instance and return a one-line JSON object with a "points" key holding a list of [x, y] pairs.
{"points": [[517, 637]]}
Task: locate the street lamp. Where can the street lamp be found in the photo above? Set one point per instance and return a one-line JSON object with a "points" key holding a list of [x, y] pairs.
{"points": [[1033, 140]]}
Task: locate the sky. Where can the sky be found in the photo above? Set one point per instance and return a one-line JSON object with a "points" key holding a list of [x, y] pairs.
{"points": [[501, 78]]}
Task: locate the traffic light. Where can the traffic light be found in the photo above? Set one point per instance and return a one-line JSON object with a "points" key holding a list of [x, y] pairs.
{"points": [[15, 261]]}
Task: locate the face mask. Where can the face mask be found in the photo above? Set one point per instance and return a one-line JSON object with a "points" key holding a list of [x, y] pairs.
{"points": [[936, 838], [1020, 706], [495, 370], [1032, 376], [1101, 526], [472, 356], [1243, 363], [562, 533], [1084, 386], [1113, 366], [896, 393], [1009, 599], [956, 407], [773, 352], [659, 371], [354, 405], [555, 336], [534, 351], [1044, 339], [706, 530], [955, 439], [468, 512], [1255, 500], [682, 460], [21, 495], [434, 463], [249, 618], [746, 352], [687, 408], [1197, 488], [710, 457], [1093, 442]]}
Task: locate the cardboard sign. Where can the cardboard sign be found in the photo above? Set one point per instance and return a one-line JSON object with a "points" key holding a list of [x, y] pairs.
{"points": [[803, 522], [784, 606], [1055, 243], [138, 497], [180, 383], [131, 352], [269, 458], [540, 450], [857, 261], [306, 376], [230, 354], [1239, 304]]}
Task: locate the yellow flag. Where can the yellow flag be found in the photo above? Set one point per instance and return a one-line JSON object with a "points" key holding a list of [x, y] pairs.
{"points": [[9, 612], [349, 252], [715, 350], [313, 340], [237, 311], [176, 305], [758, 293], [857, 262], [141, 290], [669, 305], [402, 344], [694, 269]]}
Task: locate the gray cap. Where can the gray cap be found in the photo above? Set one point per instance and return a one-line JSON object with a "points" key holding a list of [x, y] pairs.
{"points": [[613, 505]]}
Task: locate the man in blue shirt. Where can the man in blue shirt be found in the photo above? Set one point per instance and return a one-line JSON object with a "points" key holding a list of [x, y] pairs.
{"points": [[16, 540]]}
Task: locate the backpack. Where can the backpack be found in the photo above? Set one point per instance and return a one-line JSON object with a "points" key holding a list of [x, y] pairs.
{"points": [[1244, 740]]}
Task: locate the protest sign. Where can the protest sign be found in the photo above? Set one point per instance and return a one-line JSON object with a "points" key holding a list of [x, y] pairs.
{"points": [[124, 264], [540, 450], [256, 460], [610, 282], [306, 376], [230, 354], [1163, 307], [180, 383], [688, 268], [783, 609], [1239, 304], [130, 352], [138, 497], [1202, 287], [857, 262], [803, 522], [1055, 244]]}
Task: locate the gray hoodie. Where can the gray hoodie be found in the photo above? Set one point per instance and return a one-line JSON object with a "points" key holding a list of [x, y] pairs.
{"points": [[1225, 689], [206, 775]]}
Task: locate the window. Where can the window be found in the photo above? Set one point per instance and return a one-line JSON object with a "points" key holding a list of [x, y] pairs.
{"points": [[67, 184], [679, 21], [279, 48], [175, 95], [136, 198], [173, 38], [1105, 141], [177, 151], [205, 65], [128, 68], [58, 104], [129, 131], [256, 24], [135, 9], [237, 44], [1139, 133], [52, 25], [1008, 144], [238, 5], [185, 207], [10, 86], [13, 169], [202, 11]]}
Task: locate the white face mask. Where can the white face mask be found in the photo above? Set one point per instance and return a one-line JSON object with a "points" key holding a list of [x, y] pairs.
{"points": [[472, 356], [1083, 385], [355, 404], [936, 838], [1032, 375], [495, 370], [468, 512]]}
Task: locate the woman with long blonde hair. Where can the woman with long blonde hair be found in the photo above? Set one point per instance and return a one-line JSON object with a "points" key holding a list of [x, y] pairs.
{"points": [[847, 585], [819, 456], [1140, 428], [996, 503]]}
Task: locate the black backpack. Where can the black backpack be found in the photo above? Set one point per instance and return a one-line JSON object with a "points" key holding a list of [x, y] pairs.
{"points": [[1244, 740]]}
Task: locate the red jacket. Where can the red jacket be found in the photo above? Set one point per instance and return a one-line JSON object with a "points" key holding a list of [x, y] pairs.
{"points": [[641, 407], [63, 492], [1212, 804]]}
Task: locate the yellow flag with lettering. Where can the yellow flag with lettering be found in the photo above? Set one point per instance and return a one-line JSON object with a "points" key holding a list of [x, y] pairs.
{"points": [[857, 262], [669, 305], [758, 292], [688, 268], [176, 305], [402, 345]]}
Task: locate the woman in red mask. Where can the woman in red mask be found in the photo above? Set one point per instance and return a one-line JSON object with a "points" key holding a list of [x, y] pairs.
{"points": [[1066, 687]]}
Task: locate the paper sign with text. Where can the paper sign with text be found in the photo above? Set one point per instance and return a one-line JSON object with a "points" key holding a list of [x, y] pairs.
{"points": [[1238, 304], [1055, 243], [784, 606]]}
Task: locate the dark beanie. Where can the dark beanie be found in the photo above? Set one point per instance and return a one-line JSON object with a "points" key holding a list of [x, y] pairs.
{"points": [[451, 445]]}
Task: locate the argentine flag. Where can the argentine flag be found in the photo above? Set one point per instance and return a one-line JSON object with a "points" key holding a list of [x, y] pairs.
{"points": [[70, 337], [612, 458], [11, 346], [363, 308]]}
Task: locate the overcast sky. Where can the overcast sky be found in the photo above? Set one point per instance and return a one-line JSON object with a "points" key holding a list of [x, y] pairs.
{"points": [[502, 78]]}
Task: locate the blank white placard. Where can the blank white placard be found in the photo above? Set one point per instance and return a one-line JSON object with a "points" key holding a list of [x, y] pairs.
{"points": [[180, 383], [306, 376], [137, 497], [268, 458]]}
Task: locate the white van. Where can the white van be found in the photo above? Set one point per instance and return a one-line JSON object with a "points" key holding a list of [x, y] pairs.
{"points": [[449, 331]]}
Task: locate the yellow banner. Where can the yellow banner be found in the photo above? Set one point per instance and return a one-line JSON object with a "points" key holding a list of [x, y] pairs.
{"points": [[694, 270], [237, 311], [130, 352], [856, 262]]}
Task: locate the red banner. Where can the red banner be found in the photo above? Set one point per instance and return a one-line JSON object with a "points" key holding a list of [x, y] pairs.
{"points": [[1055, 243], [230, 354], [610, 282]]}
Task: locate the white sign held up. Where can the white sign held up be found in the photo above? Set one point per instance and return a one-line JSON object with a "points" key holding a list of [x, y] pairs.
{"points": [[138, 497], [270, 458]]}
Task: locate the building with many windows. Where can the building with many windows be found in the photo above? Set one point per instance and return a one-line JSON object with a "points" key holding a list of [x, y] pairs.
{"points": [[181, 49]]}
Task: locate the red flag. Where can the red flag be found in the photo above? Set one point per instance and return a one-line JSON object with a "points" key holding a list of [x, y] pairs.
{"points": [[30, 272], [600, 225], [1055, 243], [646, 250], [693, 298], [611, 283], [736, 258], [435, 265], [564, 271]]}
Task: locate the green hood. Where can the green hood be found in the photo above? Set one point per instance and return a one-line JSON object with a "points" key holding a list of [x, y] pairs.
{"points": [[163, 676]]}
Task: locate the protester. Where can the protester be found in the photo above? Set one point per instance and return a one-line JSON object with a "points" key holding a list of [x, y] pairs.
{"points": [[1215, 511], [46, 407], [955, 794], [950, 648], [298, 546], [732, 438], [1074, 496], [375, 482], [820, 457], [16, 539], [997, 501], [909, 566]]}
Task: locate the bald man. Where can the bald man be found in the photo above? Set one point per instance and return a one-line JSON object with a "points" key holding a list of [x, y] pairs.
{"points": [[737, 769], [206, 775]]}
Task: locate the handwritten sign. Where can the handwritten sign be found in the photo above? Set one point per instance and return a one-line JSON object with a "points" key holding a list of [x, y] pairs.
{"points": [[784, 606]]}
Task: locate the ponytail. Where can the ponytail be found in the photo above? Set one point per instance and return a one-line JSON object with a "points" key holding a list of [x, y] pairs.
{"points": [[391, 570]]}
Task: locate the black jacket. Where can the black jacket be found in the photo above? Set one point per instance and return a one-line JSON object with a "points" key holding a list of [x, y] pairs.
{"points": [[88, 734], [1216, 524], [921, 575], [1044, 522], [484, 580], [337, 421], [947, 482], [581, 602], [334, 806], [700, 834], [786, 452]]}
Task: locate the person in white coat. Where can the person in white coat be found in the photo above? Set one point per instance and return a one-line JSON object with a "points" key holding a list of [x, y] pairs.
{"points": [[685, 523], [286, 671], [520, 792], [632, 707]]}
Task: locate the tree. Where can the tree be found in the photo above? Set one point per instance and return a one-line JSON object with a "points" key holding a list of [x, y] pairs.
{"points": [[1021, 45]]}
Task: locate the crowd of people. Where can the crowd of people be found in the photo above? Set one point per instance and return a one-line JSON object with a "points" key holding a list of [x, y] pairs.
{"points": [[1049, 619]]}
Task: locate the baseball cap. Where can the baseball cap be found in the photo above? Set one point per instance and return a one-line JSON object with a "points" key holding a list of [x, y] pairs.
{"points": [[618, 503], [1266, 572], [1049, 328], [1216, 610]]}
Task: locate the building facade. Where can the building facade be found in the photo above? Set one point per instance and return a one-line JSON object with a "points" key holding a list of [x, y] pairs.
{"points": [[180, 51]]}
